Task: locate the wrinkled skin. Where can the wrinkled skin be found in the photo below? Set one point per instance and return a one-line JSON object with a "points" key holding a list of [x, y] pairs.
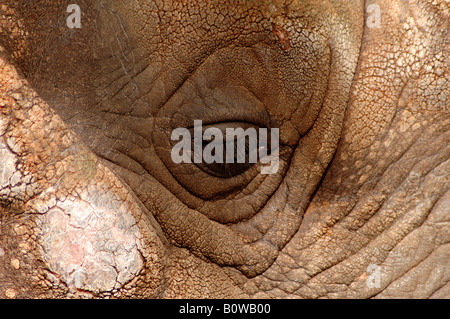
{"points": [[92, 206]]}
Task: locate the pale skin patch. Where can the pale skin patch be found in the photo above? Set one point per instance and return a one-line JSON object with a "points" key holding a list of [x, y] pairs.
{"points": [[15, 263], [10, 293], [7, 168], [93, 248]]}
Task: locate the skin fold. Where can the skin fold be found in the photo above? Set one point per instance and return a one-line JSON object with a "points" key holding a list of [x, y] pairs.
{"points": [[91, 204]]}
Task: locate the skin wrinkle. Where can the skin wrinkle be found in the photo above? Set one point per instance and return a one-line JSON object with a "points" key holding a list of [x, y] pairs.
{"points": [[412, 268], [357, 216], [430, 209], [346, 258], [381, 201], [409, 234]]}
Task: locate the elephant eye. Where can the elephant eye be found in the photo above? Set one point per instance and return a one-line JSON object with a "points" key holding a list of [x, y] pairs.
{"points": [[219, 159], [229, 149], [225, 156]]}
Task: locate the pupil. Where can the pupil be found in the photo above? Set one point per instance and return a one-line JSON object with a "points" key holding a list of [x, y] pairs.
{"points": [[224, 169], [228, 155]]}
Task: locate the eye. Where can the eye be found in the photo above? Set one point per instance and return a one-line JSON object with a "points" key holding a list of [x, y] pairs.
{"points": [[227, 155], [230, 149], [217, 166]]}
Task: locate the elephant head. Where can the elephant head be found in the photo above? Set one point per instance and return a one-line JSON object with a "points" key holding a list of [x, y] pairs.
{"points": [[92, 203]]}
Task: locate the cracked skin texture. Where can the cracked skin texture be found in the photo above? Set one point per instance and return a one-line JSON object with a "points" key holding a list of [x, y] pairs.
{"points": [[92, 206]]}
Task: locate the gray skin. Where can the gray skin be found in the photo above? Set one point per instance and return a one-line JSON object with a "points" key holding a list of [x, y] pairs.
{"points": [[92, 206]]}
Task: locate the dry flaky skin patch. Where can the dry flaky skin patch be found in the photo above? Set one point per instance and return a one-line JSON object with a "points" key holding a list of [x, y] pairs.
{"points": [[89, 240], [91, 247], [80, 228]]}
